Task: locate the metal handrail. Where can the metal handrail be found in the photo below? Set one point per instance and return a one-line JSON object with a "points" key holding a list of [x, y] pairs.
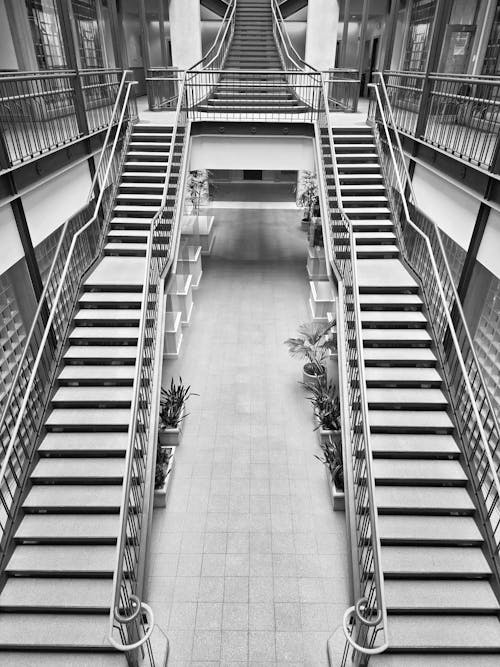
{"points": [[409, 184], [285, 38], [221, 33], [48, 282], [377, 557], [449, 319], [6, 462]]}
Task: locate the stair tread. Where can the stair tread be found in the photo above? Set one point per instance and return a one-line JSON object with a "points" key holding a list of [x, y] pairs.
{"points": [[115, 314], [79, 468], [415, 469], [42, 593], [453, 632], [401, 443], [434, 560], [387, 316], [89, 417], [117, 297], [99, 373], [63, 558], [93, 393], [78, 442], [428, 528], [409, 418], [398, 374], [62, 659], [142, 234], [404, 395], [116, 333], [435, 660], [401, 353], [54, 630], [396, 334], [423, 498], [101, 352], [69, 526], [73, 496], [440, 595], [390, 299]]}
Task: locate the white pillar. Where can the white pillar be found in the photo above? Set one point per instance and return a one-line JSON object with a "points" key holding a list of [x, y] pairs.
{"points": [[185, 32], [321, 33]]}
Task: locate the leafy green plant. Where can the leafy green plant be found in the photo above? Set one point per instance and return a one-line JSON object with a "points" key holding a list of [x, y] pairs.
{"points": [[332, 459], [172, 402], [163, 456], [307, 192], [325, 400], [197, 186], [314, 342]]}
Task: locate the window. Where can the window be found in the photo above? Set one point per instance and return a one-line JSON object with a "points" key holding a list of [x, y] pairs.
{"points": [[46, 33]]}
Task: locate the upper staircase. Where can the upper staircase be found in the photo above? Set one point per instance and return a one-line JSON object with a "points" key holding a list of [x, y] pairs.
{"points": [[253, 48], [57, 584], [441, 594]]}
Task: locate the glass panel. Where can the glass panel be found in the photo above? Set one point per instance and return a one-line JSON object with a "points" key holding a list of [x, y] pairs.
{"points": [[463, 12], [455, 256], [46, 32], [491, 65], [417, 44], [457, 50], [89, 39]]}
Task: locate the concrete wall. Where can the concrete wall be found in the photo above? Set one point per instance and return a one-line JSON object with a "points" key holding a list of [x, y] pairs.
{"points": [[53, 202], [452, 209], [8, 59], [291, 153], [11, 249]]}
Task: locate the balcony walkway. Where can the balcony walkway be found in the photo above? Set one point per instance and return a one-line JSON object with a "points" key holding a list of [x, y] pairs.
{"points": [[248, 562]]}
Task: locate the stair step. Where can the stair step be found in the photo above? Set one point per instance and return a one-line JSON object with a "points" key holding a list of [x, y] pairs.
{"points": [[67, 528], [54, 595], [423, 530], [452, 633], [97, 375], [125, 249], [389, 301], [412, 398], [393, 318], [436, 596], [381, 376], [431, 562], [376, 251], [409, 421], [109, 335], [142, 211], [396, 337], [399, 356], [111, 299], [414, 445], [154, 198], [63, 560], [79, 419], [109, 316], [146, 165], [61, 658], [74, 498], [374, 238], [79, 444], [57, 631], [367, 211], [419, 472], [434, 659], [134, 236], [79, 470], [107, 354], [146, 176], [372, 225], [347, 167], [435, 500]]}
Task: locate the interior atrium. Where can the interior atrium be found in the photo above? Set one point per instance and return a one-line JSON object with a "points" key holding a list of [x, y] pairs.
{"points": [[249, 333]]}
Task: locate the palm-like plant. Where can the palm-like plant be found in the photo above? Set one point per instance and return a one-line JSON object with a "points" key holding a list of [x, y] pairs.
{"points": [[325, 400], [163, 456], [197, 186], [332, 458], [314, 342], [172, 402], [307, 191]]}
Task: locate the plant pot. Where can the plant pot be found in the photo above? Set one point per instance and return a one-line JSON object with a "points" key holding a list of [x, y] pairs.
{"points": [[309, 378], [160, 495], [325, 434], [337, 495], [171, 437]]}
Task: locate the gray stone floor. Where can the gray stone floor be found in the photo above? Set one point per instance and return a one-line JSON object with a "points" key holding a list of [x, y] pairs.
{"points": [[248, 562]]}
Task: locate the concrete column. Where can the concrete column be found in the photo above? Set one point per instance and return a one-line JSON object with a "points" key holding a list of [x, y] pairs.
{"points": [[185, 32], [321, 33]]}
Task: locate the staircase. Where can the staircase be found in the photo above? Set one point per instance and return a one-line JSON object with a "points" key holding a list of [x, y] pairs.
{"points": [[253, 48], [56, 588], [442, 599]]}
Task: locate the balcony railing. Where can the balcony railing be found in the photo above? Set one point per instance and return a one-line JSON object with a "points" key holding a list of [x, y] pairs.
{"points": [[162, 87], [42, 111], [461, 116], [343, 89]]}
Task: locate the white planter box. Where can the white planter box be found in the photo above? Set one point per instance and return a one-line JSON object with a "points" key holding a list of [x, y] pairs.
{"points": [[189, 262], [337, 495], [180, 296], [199, 230], [173, 335], [321, 300], [160, 495], [316, 264], [171, 437]]}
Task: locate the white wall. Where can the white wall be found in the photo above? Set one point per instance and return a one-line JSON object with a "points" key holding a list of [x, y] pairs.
{"points": [[489, 250], [452, 209], [8, 58], [252, 153], [52, 203], [11, 249]]}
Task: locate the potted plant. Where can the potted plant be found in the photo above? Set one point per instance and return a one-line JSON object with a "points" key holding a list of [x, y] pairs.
{"points": [[325, 400], [163, 470], [314, 343], [173, 412], [332, 460], [307, 192], [197, 188]]}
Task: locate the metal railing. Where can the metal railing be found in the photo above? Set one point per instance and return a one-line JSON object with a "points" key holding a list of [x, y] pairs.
{"points": [[126, 610], [23, 416], [462, 114], [423, 252], [42, 111], [162, 87], [217, 54], [343, 89], [365, 623]]}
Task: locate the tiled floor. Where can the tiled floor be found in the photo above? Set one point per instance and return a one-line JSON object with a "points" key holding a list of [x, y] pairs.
{"points": [[248, 561]]}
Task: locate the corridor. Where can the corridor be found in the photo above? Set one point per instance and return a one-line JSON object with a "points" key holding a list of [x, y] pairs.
{"points": [[248, 563]]}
